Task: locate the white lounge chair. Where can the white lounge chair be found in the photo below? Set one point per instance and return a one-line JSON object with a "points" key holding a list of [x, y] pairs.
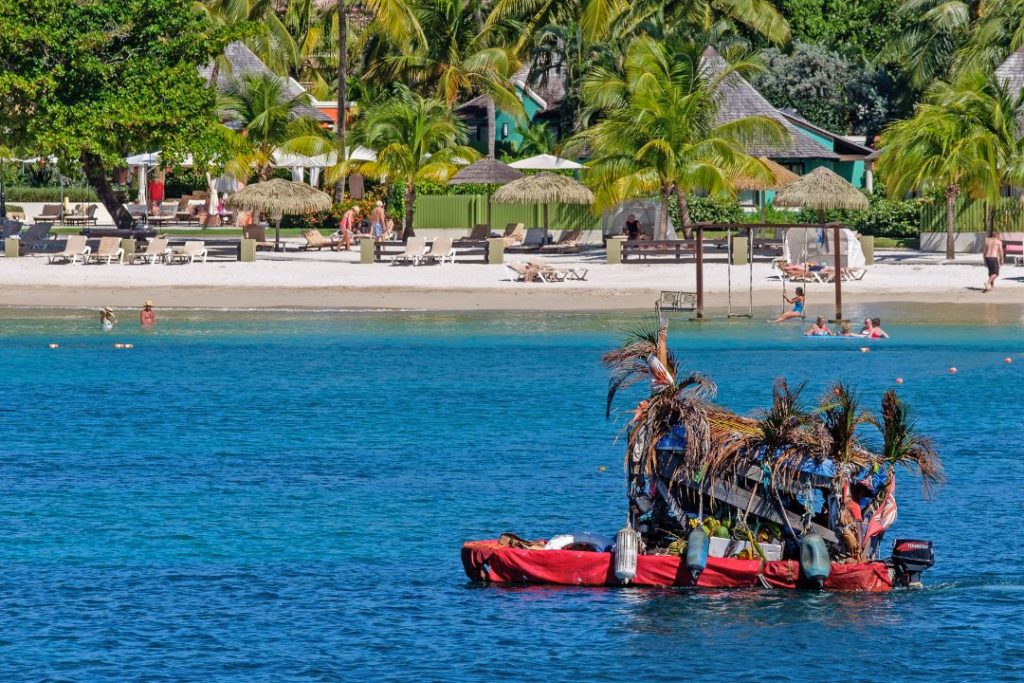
{"points": [[109, 249], [440, 250], [156, 250], [414, 250], [76, 248], [192, 250]]}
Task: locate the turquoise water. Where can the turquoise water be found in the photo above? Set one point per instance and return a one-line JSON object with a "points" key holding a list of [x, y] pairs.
{"points": [[249, 496]]}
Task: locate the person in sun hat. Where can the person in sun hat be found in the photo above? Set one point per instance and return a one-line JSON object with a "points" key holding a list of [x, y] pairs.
{"points": [[107, 318], [147, 316]]}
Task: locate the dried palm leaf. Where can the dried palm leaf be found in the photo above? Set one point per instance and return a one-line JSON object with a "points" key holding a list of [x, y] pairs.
{"points": [[902, 445]]}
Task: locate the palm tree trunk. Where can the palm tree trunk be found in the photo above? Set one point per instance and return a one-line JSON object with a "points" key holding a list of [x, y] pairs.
{"points": [[214, 74], [952, 192], [990, 219], [410, 203], [684, 212], [340, 128], [663, 214], [492, 122]]}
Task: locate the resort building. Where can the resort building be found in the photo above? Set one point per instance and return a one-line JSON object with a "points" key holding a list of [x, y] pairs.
{"points": [[810, 146]]}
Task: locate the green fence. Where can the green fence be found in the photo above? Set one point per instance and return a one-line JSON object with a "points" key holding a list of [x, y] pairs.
{"points": [[465, 211], [969, 217]]}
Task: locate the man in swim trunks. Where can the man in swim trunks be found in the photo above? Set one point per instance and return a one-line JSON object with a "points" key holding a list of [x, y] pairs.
{"points": [[377, 222], [994, 255]]}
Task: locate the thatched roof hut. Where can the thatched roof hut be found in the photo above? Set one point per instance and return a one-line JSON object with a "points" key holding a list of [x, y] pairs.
{"points": [[277, 198], [485, 171], [545, 188], [783, 177], [823, 190]]}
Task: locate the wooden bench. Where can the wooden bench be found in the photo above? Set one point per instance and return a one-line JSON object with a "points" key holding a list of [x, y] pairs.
{"points": [[656, 250]]}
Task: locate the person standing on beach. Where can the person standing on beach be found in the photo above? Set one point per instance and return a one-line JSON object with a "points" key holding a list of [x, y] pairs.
{"points": [[377, 219], [994, 255], [147, 316], [347, 223]]}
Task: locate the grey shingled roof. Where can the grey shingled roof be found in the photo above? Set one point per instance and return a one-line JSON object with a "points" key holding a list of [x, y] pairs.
{"points": [[244, 62], [739, 99], [1011, 72], [550, 87]]}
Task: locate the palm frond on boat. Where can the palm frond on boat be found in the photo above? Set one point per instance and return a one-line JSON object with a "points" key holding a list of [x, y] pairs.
{"points": [[903, 445]]}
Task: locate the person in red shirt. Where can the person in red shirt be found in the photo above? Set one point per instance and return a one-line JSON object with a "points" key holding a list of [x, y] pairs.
{"points": [[345, 227]]}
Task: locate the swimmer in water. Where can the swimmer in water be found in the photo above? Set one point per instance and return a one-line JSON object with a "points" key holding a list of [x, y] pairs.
{"points": [[107, 318], [147, 316], [818, 329], [798, 306]]}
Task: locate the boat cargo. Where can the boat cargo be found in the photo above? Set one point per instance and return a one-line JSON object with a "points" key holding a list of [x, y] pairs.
{"points": [[792, 497]]}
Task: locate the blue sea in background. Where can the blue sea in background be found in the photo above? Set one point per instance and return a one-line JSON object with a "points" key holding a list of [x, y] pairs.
{"points": [[282, 496]]}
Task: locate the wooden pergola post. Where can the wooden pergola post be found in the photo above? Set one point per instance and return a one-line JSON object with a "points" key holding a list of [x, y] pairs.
{"points": [[838, 274], [699, 255]]}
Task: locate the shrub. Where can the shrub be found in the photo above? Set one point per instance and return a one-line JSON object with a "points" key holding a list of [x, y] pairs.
{"points": [[22, 193], [884, 217]]}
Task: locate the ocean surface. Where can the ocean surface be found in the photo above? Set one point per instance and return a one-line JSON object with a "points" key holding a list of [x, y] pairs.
{"points": [[282, 496]]}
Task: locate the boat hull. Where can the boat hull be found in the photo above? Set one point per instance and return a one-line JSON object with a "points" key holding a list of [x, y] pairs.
{"points": [[492, 563]]}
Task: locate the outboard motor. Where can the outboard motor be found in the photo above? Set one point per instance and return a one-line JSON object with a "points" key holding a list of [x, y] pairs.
{"points": [[910, 558], [815, 564], [697, 553], [627, 547]]}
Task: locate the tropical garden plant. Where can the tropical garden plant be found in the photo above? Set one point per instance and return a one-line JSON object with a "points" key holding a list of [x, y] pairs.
{"points": [[416, 139], [658, 132]]}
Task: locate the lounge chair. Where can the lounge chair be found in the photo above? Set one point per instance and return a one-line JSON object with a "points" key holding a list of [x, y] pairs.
{"points": [[35, 238], [137, 211], [549, 273], [83, 215], [514, 234], [164, 214], [9, 229], [75, 248], [316, 240], [183, 212], [52, 213], [440, 250], [481, 231], [156, 250], [109, 249], [192, 250], [568, 242], [533, 240], [414, 249], [532, 272], [257, 233]]}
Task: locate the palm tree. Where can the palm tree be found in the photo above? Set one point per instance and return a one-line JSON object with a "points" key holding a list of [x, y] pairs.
{"points": [[461, 57], [840, 417], [395, 19], [416, 139], [658, 131], [536, 139], [268, 119], [963, 138]]}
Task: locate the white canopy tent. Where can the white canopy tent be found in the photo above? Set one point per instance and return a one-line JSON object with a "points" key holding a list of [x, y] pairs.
{"points": [[647, 211], [815, 246], [546, 162]]}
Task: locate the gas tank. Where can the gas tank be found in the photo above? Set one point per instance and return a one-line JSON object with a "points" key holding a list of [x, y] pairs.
{"points": [[697, 552], [815, 564]]}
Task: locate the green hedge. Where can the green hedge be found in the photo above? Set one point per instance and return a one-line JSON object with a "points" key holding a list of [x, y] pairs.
{"points": [[23, 193], [884, 217]]}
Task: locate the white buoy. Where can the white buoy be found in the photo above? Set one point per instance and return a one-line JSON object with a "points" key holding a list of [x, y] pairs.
{"points": [[627, 547]]}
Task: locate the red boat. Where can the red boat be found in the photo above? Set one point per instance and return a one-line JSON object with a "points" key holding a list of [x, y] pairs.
{"points": [[490, 562], [789, 498]]}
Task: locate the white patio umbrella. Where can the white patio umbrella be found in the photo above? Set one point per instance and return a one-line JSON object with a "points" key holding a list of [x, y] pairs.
{"points": [[546, 162]]}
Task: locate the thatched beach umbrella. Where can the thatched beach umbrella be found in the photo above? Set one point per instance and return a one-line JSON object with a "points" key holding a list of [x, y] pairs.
{"points": [[545, 188], [486, 171], [821, 189], [278, 197], [783, 178]]}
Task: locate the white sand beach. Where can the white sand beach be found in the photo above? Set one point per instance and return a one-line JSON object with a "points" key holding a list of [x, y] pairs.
{"points": [[336, 280]]}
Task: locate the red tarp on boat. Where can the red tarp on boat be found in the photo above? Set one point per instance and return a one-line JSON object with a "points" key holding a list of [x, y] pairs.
{"points": [[488, 561]]}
